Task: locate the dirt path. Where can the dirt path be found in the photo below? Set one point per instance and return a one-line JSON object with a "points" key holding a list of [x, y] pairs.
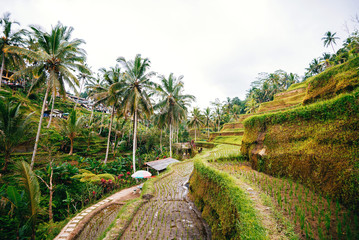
{"points": [[169, 215], [266, 212]]}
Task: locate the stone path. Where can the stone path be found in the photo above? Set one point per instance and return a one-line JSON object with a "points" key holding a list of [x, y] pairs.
{"points": [[170, 214]]}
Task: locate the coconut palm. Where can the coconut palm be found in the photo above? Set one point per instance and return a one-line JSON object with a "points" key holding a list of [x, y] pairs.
{"points": [[10, 38], [195, 121], [72, 127], [289, 79], [136, 96], [173, 104], [329, 38], [161, 125], [110, 95], [83, 77], [251, 104], [217, 104], [207, 118], [56, 59], [314, 67], [13, 128], [91, 86]]}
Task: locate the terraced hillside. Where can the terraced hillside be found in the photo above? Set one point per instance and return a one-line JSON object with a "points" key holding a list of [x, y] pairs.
{"points": [[232, 133], [301, 151]]}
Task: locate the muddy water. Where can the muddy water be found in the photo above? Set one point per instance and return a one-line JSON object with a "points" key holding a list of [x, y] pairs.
{"points": [[170, 214]]}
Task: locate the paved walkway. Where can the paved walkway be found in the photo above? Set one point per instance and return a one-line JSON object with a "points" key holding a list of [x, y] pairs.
{"points": [[170, 214]]}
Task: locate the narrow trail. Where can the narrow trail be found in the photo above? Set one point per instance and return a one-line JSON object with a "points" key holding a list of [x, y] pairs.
{"points": [[169, 214], [275, 229]]}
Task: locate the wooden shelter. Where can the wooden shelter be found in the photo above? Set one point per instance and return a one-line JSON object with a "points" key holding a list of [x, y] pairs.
{"points": [[160, 165]]}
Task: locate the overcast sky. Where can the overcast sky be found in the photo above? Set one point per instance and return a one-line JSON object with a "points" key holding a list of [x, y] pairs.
{"points": [[219, 46]]}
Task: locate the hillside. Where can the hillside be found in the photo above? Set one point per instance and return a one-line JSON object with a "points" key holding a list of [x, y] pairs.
{"points": [[300, 150], [32, 105]]}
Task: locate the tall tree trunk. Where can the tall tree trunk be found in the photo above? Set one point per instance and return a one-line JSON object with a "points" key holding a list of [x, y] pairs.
{"points": [[39, 128], [208, 129], [52, 109], [72, 146], [195, 134], [51, 189], [170, 140], [77, 101], [91, 114], [7, 158], [161, 141], [109, 135], [332, 47], [51, 216], [134, 142], [2, 68], [101, 124]]}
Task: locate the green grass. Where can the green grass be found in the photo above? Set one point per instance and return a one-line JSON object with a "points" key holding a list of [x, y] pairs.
{"points": [[230, 213], [234, 140]]}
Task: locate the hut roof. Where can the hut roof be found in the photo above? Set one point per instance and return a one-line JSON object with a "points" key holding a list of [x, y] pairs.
{"points": [[161, 164]]}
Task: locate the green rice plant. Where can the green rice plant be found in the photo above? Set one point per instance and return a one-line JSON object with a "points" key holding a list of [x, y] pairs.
{"points": [[339, 230], [320, 232], [306, 232], [302, 219], [312, 209], [348, 231], [337, 208], [327, 221], [279, 199]]}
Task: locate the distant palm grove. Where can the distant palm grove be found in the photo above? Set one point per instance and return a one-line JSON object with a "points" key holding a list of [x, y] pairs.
{"points": [[70, 135]]}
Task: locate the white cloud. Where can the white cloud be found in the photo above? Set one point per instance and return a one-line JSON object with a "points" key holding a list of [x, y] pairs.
{"points": [[219, 46]]}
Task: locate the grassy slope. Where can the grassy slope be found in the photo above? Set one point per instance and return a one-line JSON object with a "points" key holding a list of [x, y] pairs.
{"points": [[315, 144], [224, 205]]}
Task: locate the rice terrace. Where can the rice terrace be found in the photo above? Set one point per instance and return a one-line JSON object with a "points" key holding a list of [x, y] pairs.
{"points": [[98, 141]]}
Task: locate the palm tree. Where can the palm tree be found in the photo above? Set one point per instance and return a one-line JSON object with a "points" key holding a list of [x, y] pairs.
{"points": [[329, 38], [10, 38], [196, 121], [173, 103], [72, 127], [136, 98], [91, 86], [83, 78], [110, 94], [161, 124], [290, 79], [314, 67], [217, 104], [207, 115], [251, 104], [28, 181], [56, 59], [326, 60], [13, 128]]}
